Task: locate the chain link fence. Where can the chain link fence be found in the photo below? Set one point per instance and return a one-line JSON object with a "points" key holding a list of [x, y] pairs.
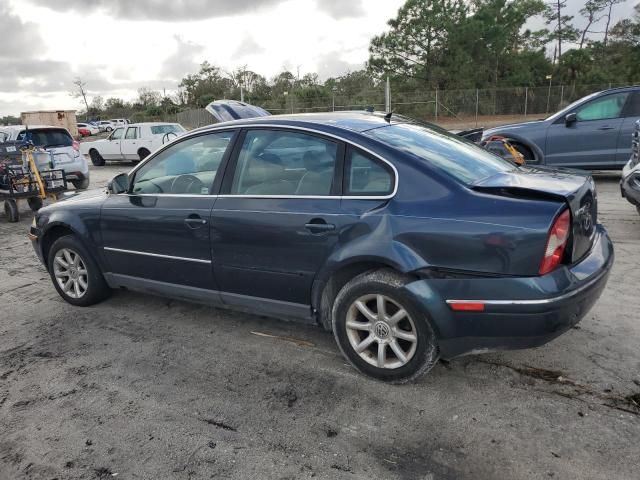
{"points": [[459, 108]]}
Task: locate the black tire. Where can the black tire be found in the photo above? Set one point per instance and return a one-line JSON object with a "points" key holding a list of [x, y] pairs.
{"points": [[97, 289], [422, 354], [96, 158], [109, 129], [81, 184], [35, 203], [526, 152], [11, 210], [638, 209], [143, 153]]}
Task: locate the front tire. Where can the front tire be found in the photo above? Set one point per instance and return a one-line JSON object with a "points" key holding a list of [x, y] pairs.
{"points": [[526, 152], [381, 331], [75, 274], [96, 158]]}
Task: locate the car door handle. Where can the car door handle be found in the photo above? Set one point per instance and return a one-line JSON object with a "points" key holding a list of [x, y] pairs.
{"points": [[318, 225], [194, 222], [607, 127]]}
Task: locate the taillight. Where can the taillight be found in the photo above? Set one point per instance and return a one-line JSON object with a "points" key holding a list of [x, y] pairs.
{"points": [[556, 243], [76, 146]]}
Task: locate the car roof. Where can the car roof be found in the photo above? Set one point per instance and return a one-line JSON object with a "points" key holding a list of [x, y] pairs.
{"points": [[151, 124], [358, 121], [31, 127]]}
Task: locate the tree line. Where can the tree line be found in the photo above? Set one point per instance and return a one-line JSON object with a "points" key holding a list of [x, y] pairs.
{"points": [[429, 45]]}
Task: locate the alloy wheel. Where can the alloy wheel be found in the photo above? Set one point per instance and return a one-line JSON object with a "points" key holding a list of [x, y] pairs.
{"points": [[381, 331], [71, 273]]}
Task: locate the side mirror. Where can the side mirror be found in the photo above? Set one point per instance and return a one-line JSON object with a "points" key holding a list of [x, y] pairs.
{"points": [[119, 184], [570, 119]]}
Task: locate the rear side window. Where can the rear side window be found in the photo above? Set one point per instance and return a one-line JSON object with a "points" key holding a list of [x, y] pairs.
{"points": [[285, 163], [366, 175], [47, 137], [131, 133], [163, 129], [449, 153]]}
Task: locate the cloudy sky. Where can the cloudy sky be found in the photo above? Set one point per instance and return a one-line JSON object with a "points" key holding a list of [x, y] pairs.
{"points": [[117, 46]]}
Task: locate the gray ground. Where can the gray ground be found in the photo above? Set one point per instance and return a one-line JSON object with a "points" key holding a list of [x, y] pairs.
{"points": [[144, 387]]}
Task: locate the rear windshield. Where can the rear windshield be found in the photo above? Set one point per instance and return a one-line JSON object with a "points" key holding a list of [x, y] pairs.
{"points": [[458, 157], [162, 129], [228, 113], [47, 137]]}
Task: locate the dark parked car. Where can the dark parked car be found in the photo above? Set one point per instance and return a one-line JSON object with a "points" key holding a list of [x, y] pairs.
{"points": [[593, 133], [407, 242]]}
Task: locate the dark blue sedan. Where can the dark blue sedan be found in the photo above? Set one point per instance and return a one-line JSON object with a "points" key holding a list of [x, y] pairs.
{"points": [[407, 242]]}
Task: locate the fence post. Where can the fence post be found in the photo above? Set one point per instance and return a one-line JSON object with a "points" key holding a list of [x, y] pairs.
{"points": [[477, 105], [526, 100], [561, 96], [436, 105], [387, 96]]}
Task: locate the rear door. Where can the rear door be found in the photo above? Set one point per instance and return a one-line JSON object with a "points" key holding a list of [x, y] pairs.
{"points": [[277, 219], [158, 233], [591, 141], [129, 144]]}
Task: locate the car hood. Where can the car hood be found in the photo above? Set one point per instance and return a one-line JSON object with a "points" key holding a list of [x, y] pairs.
{"points": [[514, 127]]}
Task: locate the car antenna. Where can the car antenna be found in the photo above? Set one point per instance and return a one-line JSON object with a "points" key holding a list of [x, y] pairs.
{"points": [[387, 116]]}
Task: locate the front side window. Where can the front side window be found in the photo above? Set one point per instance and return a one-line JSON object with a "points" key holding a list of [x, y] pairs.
{"points": [[366, 175], [187, 168], [603, 108], [131, 133], [445, 151], [273, 162], [117, 134]]}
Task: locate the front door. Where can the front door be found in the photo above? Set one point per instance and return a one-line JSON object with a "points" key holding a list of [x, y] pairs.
{"points": [[277, 220], [111, 149], [159, 232], [592, 140]]}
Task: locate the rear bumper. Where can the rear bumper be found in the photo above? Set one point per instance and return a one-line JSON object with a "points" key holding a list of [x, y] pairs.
{"points": [[519, 312]]}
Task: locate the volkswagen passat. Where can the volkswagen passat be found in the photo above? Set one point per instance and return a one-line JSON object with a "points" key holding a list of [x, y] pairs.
{"points": [[406, 242]]}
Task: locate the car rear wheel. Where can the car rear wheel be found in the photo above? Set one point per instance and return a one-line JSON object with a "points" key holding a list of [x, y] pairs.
{"points": [[96, 158], [81, 184], [75, 274], [380, 330]]}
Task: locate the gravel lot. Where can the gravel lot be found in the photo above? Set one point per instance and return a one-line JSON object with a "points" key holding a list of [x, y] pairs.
{"points": [[149, 388]]}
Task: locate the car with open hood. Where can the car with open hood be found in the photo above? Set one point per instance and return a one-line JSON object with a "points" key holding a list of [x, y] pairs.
{"points": [[407, 242], [593, 133]]}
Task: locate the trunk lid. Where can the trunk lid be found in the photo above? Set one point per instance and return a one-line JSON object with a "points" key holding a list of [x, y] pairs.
{"points": [[576, 188]]}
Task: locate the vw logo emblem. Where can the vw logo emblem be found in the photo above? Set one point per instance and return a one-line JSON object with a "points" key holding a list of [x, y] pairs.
{"points": [[382, 330], [585, 217]]}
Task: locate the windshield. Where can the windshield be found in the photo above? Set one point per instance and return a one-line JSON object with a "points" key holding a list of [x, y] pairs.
{"points": [[50, 137], [458, 157], [163, 129]]}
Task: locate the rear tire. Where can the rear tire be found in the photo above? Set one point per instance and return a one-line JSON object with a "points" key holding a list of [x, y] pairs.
{"points": [[638, 209], [81, 184], [380, 330], [96, 158], [75, 274]]}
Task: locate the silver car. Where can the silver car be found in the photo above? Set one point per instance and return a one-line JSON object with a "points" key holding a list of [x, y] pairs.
{"points": [[57, 140]]}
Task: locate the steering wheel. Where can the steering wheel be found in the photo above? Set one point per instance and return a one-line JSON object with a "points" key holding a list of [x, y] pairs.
{"points": [[187, 184], [167, 139]]}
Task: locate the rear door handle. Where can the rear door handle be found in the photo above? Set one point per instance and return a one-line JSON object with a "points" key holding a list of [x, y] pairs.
{"points": [[194, 222], [318, 225], [607, 127]]}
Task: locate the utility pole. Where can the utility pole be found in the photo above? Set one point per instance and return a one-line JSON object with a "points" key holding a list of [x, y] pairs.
{"points": [[387, 96]]}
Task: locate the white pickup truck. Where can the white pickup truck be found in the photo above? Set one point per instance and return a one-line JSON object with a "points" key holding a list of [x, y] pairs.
{"points": [[132, 142]]}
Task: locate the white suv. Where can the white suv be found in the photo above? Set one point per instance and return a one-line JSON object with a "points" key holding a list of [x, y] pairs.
{"points": [[58, 141]]}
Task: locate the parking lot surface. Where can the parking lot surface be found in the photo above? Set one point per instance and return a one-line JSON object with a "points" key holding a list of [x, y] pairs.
{"points": [[150, 388]]}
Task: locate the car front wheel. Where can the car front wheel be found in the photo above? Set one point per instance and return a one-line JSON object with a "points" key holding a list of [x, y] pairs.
{"points": [[380, 330], [96, 158], [75, 274]]}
